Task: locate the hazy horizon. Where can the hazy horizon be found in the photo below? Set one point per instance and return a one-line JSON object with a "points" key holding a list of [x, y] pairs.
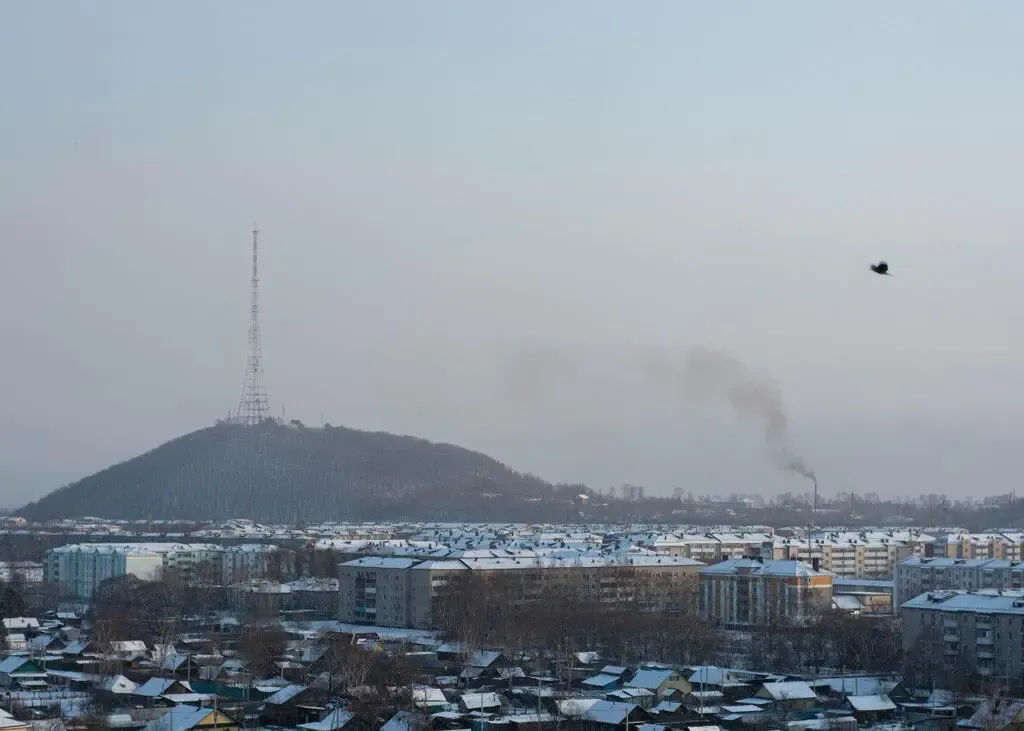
{"points": [[439, 186]]}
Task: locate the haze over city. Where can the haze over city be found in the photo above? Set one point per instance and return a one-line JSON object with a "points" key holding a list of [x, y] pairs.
{"points": [[441, 188]]}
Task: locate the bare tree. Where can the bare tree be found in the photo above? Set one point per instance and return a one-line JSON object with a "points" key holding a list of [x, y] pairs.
{"points": [[262, 646], [924, 664], [105, 632]]}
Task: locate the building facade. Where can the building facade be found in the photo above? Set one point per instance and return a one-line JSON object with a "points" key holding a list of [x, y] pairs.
{"points": [[1008, 546], [404, 592], [753, 591], [81, 567], [920, 575], [983, 630], [863, 555]]}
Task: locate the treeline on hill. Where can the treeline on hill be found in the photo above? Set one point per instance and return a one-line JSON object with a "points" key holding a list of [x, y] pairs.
{"points": [[289, 473], [631, 503]]}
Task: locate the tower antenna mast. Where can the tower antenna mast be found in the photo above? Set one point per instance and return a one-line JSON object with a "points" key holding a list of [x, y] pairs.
{"points": [[253, 408]]}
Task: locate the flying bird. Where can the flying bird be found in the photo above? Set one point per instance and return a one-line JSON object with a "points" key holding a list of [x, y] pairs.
{"points": [[881, 267]]}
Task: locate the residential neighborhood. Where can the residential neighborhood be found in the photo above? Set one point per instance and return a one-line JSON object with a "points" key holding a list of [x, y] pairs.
{"points": [[445, 626]]}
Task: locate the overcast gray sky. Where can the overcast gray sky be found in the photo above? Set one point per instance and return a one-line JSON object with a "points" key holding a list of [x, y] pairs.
{"points": [[441, 184]]}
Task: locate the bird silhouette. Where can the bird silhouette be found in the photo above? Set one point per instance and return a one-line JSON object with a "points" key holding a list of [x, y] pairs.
{"points": [[881, 267]]}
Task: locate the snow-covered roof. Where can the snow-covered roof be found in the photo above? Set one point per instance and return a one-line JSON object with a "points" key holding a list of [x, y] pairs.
{"points": [[768, 567], [985, 601], [871, 703], [793, 690]]}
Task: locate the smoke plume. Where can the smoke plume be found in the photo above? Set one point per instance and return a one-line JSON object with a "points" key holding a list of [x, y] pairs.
{"points": [[701, 375], [714, 374]]}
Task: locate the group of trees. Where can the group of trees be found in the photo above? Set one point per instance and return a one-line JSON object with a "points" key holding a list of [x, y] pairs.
{"points": [[931, 662], [374, 683], [623, 612], [635, 616], [632, 503], [128, 608], [281, 474], [832, 642]]}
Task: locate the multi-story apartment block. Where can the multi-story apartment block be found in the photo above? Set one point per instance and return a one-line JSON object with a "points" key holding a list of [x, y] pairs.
{"points": [[918, 575], [1009, 546], [81, 567], [403, 592], [865, 555], [985, 629], [238, 564], [752, 591], [706, 547], [375, 590]]}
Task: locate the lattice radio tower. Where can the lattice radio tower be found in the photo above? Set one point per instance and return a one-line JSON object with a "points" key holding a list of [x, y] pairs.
{"points": [[253, 408]]}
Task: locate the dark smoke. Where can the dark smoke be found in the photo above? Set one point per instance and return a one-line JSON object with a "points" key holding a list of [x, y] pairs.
{"points": [[713, 374], [703, 374]]}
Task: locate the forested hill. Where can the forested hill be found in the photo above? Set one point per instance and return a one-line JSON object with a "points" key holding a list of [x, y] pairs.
{"points": [[287, 473]]}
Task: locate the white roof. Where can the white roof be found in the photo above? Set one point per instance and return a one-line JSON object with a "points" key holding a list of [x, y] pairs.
{"points": [[479, 701], [380, 562], [986, 601], [764, 568], [793, 690], [866, 703]]}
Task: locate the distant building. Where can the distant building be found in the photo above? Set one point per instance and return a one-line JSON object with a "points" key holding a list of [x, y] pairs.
{"points": [[753, 591], [376, 590], [28, 571], [81, 567], [863, 596], [241, 563], [403, 592], [919, 575], [860, 555], [986, 628], [1009, 546], [706, 547]]}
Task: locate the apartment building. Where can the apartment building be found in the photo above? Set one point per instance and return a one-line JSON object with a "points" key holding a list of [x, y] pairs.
{"points": [[986, 628], [81, 567], [403, 592], [865, 555], [706, 547], [919, 575], [752, 591], [241, 563], [1009, 546], [375, 590]]}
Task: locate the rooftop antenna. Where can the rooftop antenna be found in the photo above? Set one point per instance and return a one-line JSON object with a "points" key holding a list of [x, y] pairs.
{"points": [[253, 408]]}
